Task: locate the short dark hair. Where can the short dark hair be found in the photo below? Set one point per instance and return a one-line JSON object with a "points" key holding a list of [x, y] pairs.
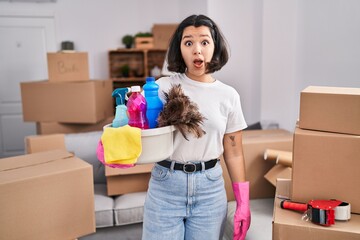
{"points": [[220, 57]]}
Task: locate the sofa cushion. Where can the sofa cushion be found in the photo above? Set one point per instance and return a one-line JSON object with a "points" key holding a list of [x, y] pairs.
{"points": [[83, 145], [103, 207], [129, 208]]}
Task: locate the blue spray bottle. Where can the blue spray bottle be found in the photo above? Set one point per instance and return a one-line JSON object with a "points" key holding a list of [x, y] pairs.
{"points": [[121, 118]]}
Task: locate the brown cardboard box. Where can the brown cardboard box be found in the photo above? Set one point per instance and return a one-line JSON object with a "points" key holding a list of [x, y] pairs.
{"points": [[36, 143], [278, 171], [162, 34], [119, 181], [68, 67], [71, 102], [134, 179], [56, 127], [330, 109], [46, 195], [326, 166], [287, 224], [144, 42], [255, 142]]}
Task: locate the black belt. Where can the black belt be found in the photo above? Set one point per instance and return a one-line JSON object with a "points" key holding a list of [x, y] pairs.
{"points": [[189, 167]]}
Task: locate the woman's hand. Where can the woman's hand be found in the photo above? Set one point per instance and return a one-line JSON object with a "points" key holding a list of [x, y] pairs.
{"points": [[242, 217]]}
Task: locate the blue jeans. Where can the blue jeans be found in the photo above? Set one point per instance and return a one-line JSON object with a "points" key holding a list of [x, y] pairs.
{"points": [[183, 205]]}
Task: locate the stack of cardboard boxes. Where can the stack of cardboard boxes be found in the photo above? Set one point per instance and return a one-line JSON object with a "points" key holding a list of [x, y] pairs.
{"points": [[325, 162], [50, 195], [68, 101]]}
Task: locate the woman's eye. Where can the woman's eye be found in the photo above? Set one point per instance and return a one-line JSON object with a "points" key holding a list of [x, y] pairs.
{"points": [[188, 43], [205, 43]]}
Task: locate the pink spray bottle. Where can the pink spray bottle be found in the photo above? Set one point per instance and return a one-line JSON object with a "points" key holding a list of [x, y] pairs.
{"points": [[136, 107]]}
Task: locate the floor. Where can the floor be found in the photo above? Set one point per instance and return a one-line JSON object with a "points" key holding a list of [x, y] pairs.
{"points": [[261, 220], [260, 228]]}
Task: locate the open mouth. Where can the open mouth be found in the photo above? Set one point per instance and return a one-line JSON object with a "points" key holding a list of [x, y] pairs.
{"points": [[198, 63]]}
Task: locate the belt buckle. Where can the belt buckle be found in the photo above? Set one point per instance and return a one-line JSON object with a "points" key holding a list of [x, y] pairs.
{"points": [[189, 167]]}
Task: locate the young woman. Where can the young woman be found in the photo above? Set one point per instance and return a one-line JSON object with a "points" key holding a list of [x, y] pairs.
{"points": [[186, 197]]}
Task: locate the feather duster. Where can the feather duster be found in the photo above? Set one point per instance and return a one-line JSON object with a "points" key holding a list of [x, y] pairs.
{"points": [[182, 113]]}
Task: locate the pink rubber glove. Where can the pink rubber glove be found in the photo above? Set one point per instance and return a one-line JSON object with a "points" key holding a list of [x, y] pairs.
{"points": [[100, 156], [242, 215]]}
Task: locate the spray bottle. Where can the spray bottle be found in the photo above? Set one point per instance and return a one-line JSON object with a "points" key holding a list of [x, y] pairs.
{"points": [[121, 118], [154, 104], [136, 107]]}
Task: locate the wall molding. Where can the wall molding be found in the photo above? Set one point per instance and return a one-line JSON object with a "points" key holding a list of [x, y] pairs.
{"points": [[27, 13]]}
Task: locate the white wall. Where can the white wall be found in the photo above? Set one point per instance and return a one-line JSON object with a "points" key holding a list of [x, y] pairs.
{"points": [[280, 47], [240, 22], [306, 42], [278, 62], [98, 26], [277, 47]]}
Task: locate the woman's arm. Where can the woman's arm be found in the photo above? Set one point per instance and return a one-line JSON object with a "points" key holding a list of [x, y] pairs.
{"points": [[234, 156], [234, 159]]}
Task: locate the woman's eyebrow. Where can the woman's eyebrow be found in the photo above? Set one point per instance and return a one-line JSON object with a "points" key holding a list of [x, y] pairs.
{"points": [[201, 35], [205, 35], [187, 36]]}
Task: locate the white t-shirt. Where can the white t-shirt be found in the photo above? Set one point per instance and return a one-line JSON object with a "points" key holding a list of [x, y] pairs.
{"points": [[219, 104]]}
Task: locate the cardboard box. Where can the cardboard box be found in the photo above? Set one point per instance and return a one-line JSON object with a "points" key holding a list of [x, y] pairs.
{"points": [[283, 188], [36, 143], [278, 171], [134, 179], [255, 142], [68, 67], [326, 166], [119, 181], [71, 102], [287, 224], [46, 195], [144, 42], [330, 109], [57, 127], [162, 34]]}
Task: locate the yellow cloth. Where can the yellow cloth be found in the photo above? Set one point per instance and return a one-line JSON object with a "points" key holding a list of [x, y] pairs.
{"points": [[121, 145]]}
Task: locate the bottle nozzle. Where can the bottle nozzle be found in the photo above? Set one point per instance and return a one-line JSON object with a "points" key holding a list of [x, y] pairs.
{"points": [[120, 95]]}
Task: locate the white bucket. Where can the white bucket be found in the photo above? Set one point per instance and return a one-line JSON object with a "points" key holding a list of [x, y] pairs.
{"points": [[157, 144]]}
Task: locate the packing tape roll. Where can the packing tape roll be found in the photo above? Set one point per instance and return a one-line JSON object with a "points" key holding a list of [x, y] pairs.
{"points": [[343, 211]]}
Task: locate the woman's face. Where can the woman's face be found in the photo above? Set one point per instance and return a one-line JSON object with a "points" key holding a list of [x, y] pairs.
{"points": [[197, 48]]}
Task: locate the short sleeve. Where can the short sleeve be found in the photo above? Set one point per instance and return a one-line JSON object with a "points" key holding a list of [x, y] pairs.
{"points": [[236, 120]]}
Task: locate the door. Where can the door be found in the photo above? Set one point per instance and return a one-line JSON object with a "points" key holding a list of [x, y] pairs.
{"points": [[24, 42]]}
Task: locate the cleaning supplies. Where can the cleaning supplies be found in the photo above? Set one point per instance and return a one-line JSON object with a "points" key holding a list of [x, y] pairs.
{"points": [[121, 145], [154, 104], [121, 118], [136, 108], [101, 157]]}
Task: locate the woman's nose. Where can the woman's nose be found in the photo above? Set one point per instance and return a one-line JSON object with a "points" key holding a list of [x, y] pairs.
{"points": [[197, 50]]}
